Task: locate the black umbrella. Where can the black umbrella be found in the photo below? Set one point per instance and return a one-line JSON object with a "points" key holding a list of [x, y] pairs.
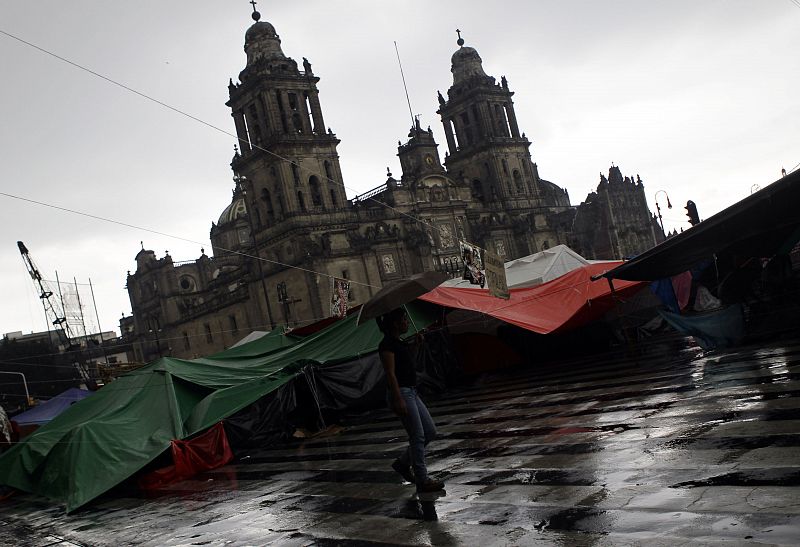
{"points": [[399, 292]]}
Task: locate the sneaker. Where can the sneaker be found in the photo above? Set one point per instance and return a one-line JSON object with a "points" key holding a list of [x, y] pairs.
{"points": [[430, 485], [404, 471]]}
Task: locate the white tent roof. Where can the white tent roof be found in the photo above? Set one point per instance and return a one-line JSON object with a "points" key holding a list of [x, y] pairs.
{"points": [[534, 269]]}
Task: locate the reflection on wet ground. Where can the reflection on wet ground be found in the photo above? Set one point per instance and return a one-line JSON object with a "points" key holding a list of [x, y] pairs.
{"points": [[618, 451]]}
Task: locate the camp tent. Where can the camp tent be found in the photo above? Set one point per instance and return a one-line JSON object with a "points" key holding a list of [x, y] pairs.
{"points": [[46, 411], [534, 269], [101, 441], [567, 302]]}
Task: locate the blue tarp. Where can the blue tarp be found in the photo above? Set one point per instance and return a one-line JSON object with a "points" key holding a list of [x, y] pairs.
{"points": [[46, 411], [711, 330]]}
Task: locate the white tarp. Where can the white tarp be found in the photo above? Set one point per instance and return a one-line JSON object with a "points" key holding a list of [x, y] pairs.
{"points": [[534, 269], [255, 335]]}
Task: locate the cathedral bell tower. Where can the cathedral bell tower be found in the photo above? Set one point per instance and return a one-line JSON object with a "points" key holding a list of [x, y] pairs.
{"points": [[278, 117], [484, 141], [419, 156]]}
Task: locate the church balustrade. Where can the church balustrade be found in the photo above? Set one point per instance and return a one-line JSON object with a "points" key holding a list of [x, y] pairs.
{"points": [[220, 300]]}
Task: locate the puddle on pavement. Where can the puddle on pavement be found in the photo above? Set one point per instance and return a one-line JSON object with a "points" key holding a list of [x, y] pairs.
{"points": [[754, 477]]}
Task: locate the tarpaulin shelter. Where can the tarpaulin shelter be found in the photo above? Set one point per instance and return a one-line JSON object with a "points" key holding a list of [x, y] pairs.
{"points": [[764, 223], [568, 302], [46, 411], [101, 441], [534, 269]]}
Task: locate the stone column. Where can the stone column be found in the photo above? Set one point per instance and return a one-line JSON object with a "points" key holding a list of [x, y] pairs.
{"points": [[272, 115], [462, 137], [512, 119], [448, 134], [241, 130], [316, 112]]}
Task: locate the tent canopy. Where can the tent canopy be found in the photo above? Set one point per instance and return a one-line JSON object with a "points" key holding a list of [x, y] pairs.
{"points": [[762, 224], [534, 269], [48, 410], [570, 301], [99, 442]]}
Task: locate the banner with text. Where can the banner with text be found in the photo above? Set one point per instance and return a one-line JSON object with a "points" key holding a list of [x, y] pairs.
{"points": [[496, 275]]}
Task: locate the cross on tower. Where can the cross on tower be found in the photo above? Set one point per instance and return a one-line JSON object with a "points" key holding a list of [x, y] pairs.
{"points": [[253, 3]]}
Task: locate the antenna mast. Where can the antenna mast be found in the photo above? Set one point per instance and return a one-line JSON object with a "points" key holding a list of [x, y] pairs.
{"points": [[410, 112]]}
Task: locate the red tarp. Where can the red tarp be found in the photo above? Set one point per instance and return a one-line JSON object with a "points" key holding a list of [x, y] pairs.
{"points": [[570, 301], [202, 453]]}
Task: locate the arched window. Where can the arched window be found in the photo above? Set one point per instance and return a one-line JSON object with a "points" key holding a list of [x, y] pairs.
{"points": [[316, 196], [333, 198], [328, 171], [505, 167], [518, 182], [477, 189], [301, 202], [295, 173], [297, 122], [267, 199]]}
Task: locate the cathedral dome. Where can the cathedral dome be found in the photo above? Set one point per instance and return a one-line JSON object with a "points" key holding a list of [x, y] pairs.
{"points": [[237, 209], [260, 29], [466, 63], [261, 42]]}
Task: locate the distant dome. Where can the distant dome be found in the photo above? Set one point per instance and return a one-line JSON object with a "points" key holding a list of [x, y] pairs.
{"points": [[237, 209], [466, 63]]}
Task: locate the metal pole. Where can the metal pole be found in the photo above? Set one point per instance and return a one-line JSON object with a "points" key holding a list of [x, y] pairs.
{"points": [[25, 383], [99, 328], [660, 220], [80, 309]]}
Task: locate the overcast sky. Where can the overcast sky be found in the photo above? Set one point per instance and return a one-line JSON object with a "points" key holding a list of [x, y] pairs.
{"points": [[697, 97]]}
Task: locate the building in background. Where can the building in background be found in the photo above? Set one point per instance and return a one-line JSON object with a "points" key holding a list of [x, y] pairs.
{"points": [[290, 228], [615, 221]]}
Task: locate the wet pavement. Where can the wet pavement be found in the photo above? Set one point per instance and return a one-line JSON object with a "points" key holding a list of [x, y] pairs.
{"points": [[672, 450]]}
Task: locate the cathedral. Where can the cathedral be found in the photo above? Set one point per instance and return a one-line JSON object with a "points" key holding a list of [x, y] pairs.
{"points": [[292, 248]]}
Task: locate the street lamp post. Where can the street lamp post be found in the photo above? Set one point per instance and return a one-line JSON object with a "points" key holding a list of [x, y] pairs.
{"points": [[28, 399], [658, 209]]}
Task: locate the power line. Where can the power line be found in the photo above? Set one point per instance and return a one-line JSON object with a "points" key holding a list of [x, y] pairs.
{"points": [[164, 234], [207, 124]]}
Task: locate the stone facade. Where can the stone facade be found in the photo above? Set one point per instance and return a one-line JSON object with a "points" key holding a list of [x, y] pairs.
{"points": [[290, 228], [614, 221]]}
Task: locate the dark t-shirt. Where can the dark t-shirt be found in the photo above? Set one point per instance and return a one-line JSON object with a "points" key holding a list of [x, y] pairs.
{"points": [[403, 361]]}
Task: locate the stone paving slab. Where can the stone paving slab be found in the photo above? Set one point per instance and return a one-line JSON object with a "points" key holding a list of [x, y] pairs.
{"points": [[680, 451]]}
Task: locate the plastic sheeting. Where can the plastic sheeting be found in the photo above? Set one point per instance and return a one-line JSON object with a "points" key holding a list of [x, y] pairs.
{"points": [[101, 441], [565, 303], [711, 330], [48, 410], [202, 453], [534, 269]]}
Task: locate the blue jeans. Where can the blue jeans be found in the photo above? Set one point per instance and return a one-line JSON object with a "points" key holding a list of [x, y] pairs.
{"points": [[421, 430]]}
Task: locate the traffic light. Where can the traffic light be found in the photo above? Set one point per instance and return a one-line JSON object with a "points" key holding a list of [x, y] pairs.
{"points": [[691, 212]]}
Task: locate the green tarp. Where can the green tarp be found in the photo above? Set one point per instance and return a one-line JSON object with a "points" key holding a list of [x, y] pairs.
{"points": [[104, 439]]}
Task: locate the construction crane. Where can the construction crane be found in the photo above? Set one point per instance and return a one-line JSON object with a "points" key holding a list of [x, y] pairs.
{"points": [[54, 311]]}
